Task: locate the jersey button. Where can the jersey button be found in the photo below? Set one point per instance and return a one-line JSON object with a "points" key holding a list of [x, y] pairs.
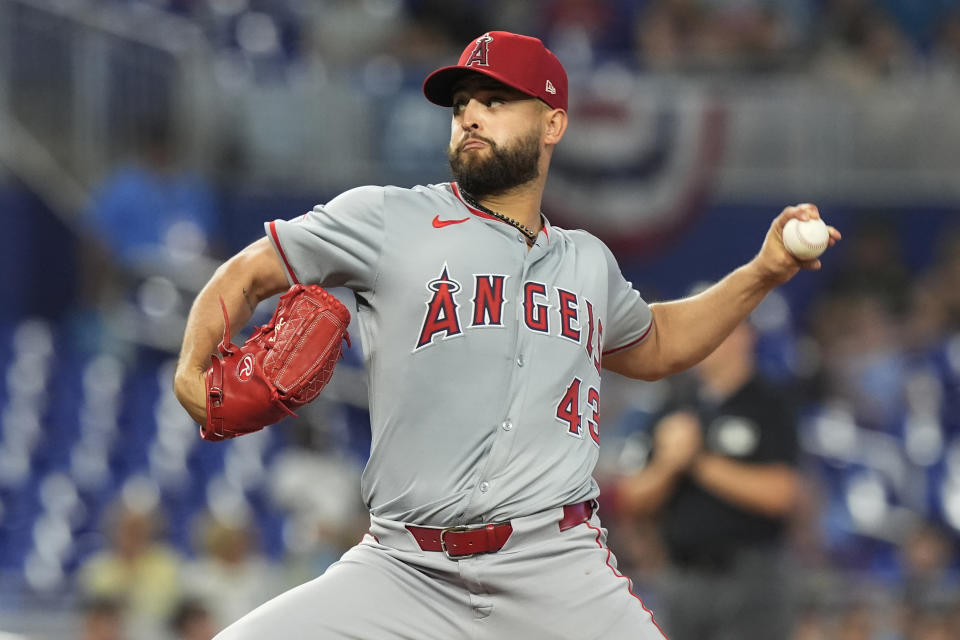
{"points": [[507, 425], [520, 360], [484, 486]]}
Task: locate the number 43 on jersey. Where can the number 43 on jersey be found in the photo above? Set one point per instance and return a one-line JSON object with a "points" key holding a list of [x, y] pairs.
{"points": [[568, 411]]}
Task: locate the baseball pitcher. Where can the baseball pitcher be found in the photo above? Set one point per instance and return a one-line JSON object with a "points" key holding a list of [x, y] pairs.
{"points": [[485, 333]]}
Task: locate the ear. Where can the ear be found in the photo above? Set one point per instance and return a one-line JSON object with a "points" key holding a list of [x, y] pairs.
{"points": [[555, 124]]}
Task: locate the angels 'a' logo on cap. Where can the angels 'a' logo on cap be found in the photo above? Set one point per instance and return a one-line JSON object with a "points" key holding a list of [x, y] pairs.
{"points": [[550, 88], [481, 51]]}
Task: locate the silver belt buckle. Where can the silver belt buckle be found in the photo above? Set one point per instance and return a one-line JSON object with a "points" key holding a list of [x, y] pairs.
{"points": [[443, 543]]}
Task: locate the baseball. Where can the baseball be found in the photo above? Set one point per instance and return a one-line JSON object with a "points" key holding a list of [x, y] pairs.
{"points": [[805, 239]]}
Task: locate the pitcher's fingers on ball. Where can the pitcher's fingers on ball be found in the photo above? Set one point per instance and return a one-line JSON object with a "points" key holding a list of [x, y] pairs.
{"points": [[835, 235], [808, 211], [803, 211], [788, 214], [792, 211]]}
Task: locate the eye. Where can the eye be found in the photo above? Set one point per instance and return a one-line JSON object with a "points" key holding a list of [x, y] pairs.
{"points": [[496, 101]]}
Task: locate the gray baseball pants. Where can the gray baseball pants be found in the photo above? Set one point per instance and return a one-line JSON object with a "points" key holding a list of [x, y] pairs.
{"points": [[543, 584]]}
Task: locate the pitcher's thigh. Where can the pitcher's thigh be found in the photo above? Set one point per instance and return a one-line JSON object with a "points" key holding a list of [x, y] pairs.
{"points": [[565, 589], [367, 595]]}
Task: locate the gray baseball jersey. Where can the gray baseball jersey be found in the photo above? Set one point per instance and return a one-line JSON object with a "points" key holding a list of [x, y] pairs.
{"points": [[484, 361], [484, 357]]}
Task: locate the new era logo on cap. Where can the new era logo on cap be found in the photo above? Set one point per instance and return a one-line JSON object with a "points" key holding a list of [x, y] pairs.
{"points": [[521, 62]]}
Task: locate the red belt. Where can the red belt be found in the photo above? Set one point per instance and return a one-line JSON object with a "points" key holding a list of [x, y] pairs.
{"points": [[460, 542]]}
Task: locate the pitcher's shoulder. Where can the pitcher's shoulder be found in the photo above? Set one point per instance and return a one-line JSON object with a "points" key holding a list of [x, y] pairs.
{"points": [[441, 191], [583, 240], [425, 200]]}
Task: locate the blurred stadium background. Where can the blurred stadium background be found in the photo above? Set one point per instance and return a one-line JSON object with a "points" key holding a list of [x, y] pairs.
{"points": [[142, 141]]}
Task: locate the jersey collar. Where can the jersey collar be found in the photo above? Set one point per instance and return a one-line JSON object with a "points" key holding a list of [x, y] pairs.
{"points": [[546, 223]]}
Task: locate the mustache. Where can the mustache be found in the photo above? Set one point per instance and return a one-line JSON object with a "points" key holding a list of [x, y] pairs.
{"points": [[475, 137]]}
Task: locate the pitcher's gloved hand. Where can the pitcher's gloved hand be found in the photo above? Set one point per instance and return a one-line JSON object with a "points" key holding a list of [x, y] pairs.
{"points": [[285, 364]]}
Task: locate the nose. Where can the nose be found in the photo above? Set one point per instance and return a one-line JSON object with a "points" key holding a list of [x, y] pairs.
{"points": [[470, 116]]}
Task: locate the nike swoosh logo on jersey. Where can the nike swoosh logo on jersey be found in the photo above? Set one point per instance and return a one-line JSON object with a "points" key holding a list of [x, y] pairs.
{"points": [[438, 223]]}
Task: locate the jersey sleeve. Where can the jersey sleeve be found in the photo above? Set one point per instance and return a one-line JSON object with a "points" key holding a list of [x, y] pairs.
{"points": [[337, 244], [628, 315]]}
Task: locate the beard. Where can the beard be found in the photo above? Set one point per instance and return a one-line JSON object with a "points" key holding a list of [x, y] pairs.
{"points": [[505, 168]]}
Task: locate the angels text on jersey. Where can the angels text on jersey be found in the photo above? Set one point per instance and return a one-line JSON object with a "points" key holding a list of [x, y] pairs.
{"points": [[550, 310]]}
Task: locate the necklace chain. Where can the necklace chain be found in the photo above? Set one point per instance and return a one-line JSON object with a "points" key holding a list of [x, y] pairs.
{"points": [[524, 229]]}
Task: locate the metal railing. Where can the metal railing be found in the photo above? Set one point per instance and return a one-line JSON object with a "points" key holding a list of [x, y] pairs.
{"points": [[77, 77]]}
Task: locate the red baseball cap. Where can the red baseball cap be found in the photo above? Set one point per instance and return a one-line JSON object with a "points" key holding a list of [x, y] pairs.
{"points": [[517, 61]]}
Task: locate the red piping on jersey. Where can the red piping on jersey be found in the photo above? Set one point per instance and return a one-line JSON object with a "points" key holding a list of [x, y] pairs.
{"points": [[632, 343], [283, 256], [477, 212], [629, 581]]}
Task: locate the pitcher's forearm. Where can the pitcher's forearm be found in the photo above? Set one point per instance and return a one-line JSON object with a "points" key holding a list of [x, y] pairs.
{"points": [[252, 275], [205, 323], [203, 333], [690, 329], [684, 332]]}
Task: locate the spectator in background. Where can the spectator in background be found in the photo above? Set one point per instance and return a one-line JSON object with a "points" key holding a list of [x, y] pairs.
{"points": [[588, 29], [721, 34], [314, 480], [191, 620], [946, 48], [136, 569], [755, 34], [863, 47], [152, 202], [931, 624], [857, 622], [873, 264], [946, 275], [938, 313], [811, 624], [926, 318], [666, 33], [721, 483], [930, 581], [101, 619], [230, 575], [857, 325]]}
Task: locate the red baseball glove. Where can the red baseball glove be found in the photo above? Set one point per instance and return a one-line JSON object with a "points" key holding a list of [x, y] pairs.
{"points": [[285, 364]]}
